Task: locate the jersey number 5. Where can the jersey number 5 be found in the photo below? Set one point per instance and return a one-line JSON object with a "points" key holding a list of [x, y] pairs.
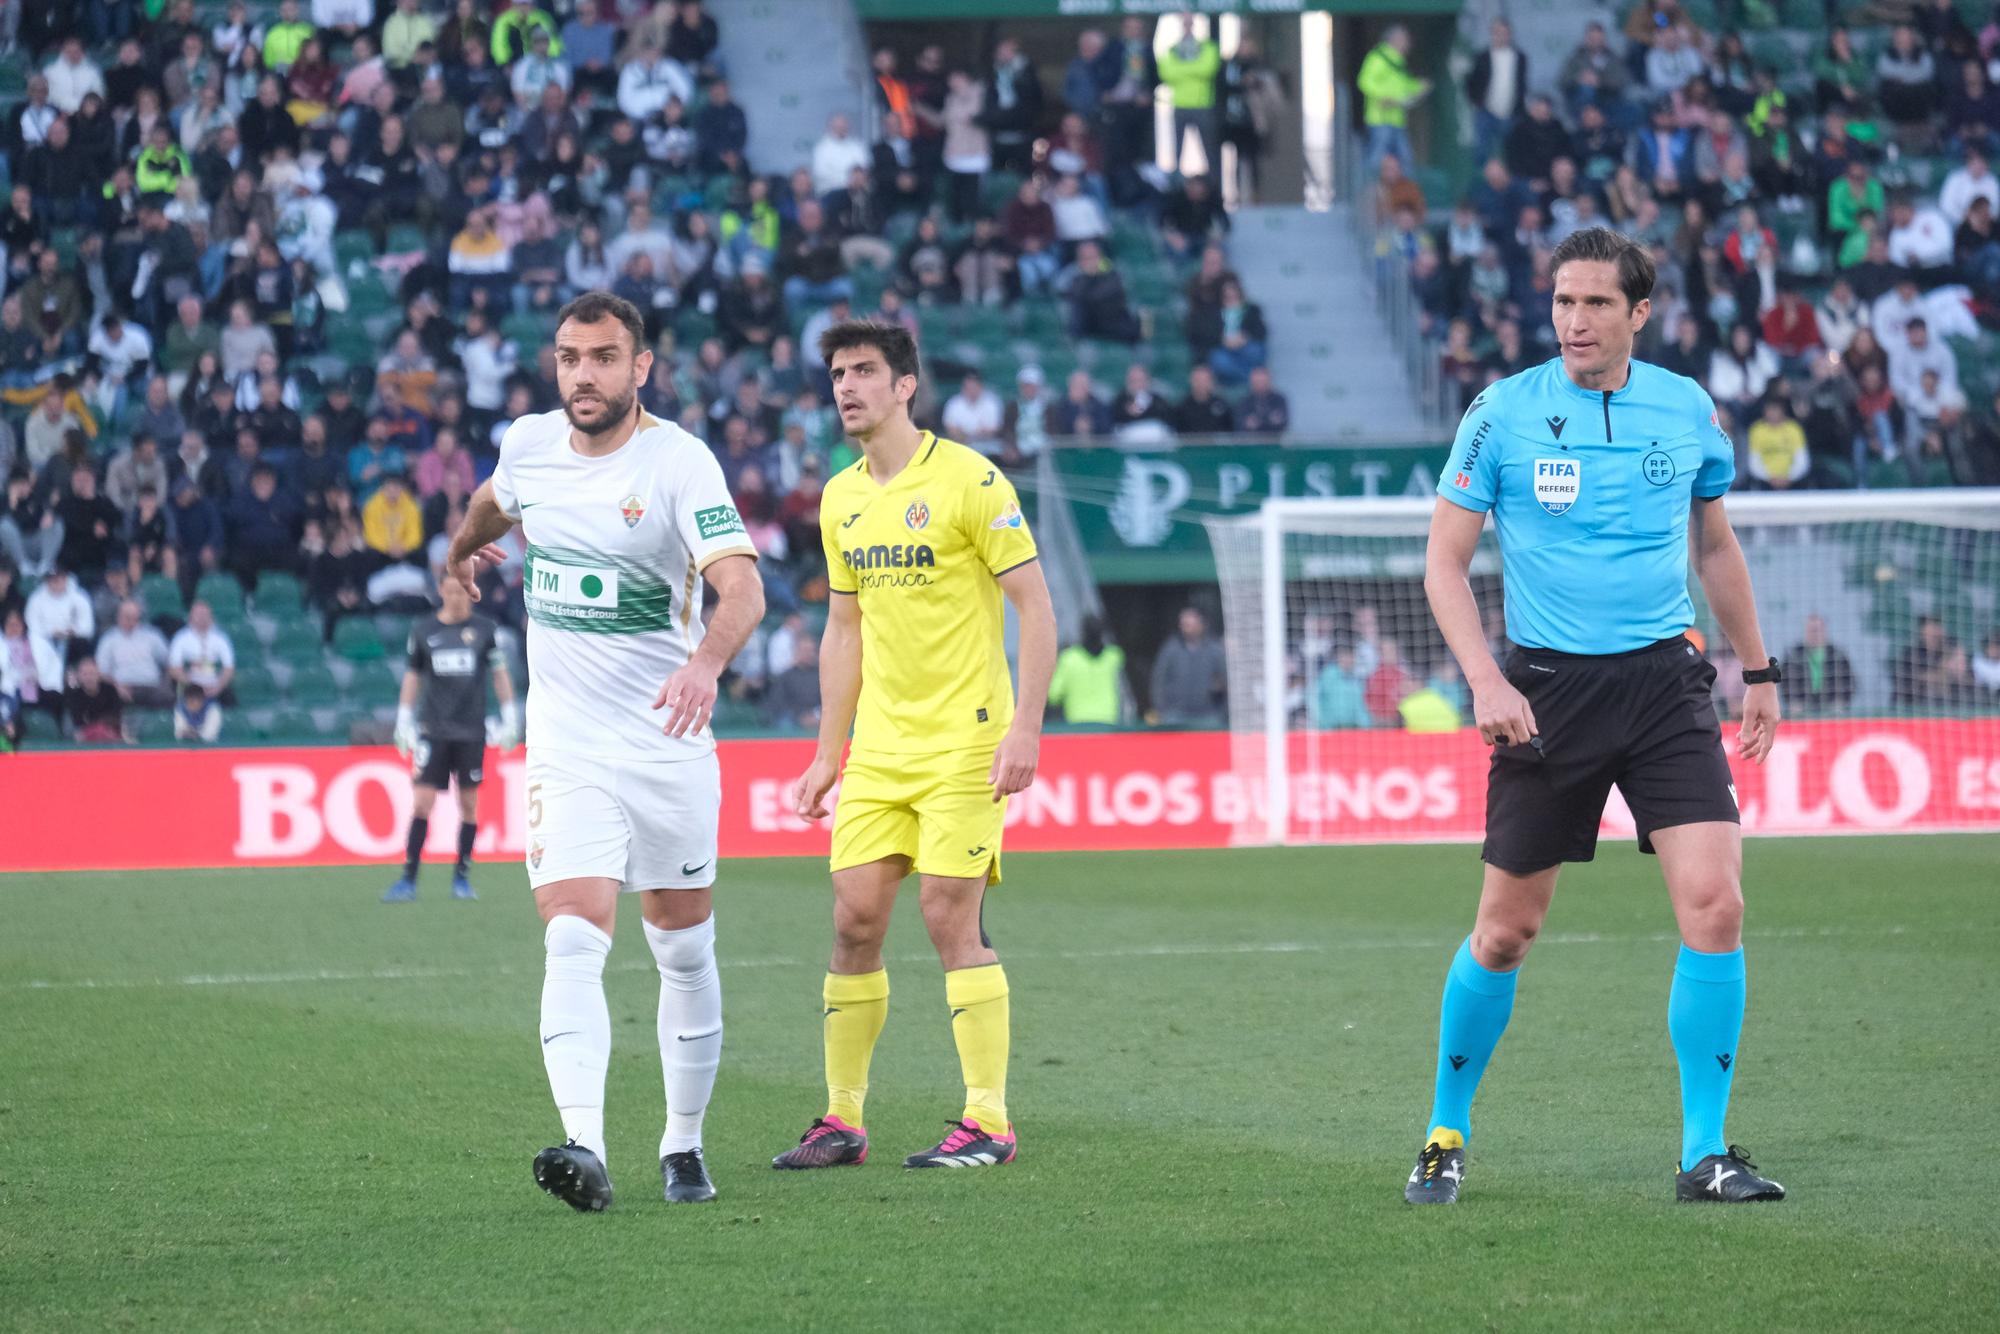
{"points": [[534, 805]]}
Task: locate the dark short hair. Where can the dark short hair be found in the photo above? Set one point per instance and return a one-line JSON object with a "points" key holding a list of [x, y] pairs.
{"points": [[1604, 246], [893, 341], [592, 307]]}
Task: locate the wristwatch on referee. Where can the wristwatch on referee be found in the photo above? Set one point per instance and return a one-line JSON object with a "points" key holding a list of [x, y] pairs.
{"points": [[1770, 674]]}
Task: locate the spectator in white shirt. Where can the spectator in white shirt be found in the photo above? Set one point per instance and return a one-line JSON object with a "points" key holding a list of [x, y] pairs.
{"points": [[1974, 180], [347, 16], [1839, 314], [201, 654], [641, 234], [488, 361], [781, 646], [1079, 217], [537, 70], [37, 113], [133, 657], [1892, 312], [973, 415], [1986, 666], [120, 348], [1918, 353], [1933, 401], [1671, 63], [1919, 236], [59, 612], [649, 81], [72, 77], [835, 154]]}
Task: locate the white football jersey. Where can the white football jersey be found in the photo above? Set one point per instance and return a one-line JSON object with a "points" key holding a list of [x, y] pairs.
{"points": [[616, 546]]}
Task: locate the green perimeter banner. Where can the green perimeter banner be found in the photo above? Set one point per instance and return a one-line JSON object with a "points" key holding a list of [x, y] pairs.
{"points": [[1091, 9], [1138, 512]]}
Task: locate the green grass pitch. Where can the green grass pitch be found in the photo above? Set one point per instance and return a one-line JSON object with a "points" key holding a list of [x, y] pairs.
{"points": [[249, 1099]]}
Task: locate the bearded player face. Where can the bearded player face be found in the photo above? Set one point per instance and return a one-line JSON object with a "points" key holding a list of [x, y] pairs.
{"points": [[599, 369]]}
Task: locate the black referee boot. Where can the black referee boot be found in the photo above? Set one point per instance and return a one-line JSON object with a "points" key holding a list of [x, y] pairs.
{"points": [[1725, 1178]]}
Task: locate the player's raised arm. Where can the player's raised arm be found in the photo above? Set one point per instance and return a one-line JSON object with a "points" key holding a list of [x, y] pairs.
{"points": [[1500, 710], [1019, 751], [839, 696], [1725, 578], [484, 524]]}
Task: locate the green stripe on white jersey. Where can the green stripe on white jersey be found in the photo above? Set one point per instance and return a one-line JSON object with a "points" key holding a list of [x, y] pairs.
{"points": [[595, 593]]}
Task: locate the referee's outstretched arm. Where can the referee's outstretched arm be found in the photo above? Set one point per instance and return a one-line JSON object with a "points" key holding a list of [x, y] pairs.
{"points": [[1725, 578], [1501, 712]]}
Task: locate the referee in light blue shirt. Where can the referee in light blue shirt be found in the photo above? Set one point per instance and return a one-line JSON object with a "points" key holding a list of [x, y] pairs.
{"points": [[1596, 469]]}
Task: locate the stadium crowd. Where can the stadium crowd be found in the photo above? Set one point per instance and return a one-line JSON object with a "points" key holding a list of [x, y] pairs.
{"points": [[1821, 227], [201, 203]]}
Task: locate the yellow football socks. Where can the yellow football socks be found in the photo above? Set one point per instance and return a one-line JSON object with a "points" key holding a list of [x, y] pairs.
{"points": [[1446, 1138], [856, 1006], [978, 1000]]}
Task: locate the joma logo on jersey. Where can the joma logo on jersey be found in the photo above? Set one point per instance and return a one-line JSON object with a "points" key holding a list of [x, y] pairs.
{"points": [[884, 557], [1558, 483]]}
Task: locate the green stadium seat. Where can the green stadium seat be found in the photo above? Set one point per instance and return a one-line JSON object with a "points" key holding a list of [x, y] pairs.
{"points": [[312, 684], [356, 640], [160, 596], [405, 237], [222, 593], [255, 685], [149, 727], [353, 245], [280, 595], [291, 724]]}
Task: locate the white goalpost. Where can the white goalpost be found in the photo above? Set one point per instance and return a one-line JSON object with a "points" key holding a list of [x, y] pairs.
{"points": [[1349, 722]]}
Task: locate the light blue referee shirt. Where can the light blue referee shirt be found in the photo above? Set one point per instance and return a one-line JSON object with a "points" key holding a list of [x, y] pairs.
{"points": [[1590, 492]]}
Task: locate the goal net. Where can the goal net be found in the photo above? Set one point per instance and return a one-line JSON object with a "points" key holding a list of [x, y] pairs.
{"points": [[1350, 722]]}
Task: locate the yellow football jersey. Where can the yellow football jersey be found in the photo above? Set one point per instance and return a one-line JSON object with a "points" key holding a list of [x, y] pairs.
{"points": [[922, 555]]}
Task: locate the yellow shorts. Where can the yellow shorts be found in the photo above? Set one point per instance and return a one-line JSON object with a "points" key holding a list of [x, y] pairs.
{"points": [[937, 810]]}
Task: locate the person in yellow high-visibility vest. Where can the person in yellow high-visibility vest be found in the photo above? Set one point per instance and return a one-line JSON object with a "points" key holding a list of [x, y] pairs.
{"points": [[1188, 68], [1388, 91]]}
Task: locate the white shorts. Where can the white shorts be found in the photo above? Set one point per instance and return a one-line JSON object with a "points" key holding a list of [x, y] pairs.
{"points": [[646, 824]]}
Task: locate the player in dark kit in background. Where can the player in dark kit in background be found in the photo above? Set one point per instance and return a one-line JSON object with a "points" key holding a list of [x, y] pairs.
{"points": [[444, 736]]}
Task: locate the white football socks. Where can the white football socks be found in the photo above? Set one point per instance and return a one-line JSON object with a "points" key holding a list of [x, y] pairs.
{"points": [[576, 1027], [690, 1027]]}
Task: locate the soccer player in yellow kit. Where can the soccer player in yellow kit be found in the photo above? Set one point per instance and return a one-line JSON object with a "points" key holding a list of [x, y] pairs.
{"points": [[923, 537]]}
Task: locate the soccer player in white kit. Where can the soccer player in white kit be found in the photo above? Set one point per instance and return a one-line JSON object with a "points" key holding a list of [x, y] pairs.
{"points": [[624, 516]]}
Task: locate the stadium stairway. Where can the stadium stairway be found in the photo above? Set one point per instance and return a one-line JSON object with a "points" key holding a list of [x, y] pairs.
{"points": [[801, 61], [1331, 352]]}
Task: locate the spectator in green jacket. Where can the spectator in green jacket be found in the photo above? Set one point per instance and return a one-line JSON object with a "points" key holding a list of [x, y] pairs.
{"points": [[1188, 69], [286, 38], [1388, 91], [161, 163], [1852, 194], [1088, 684], [511, 29]]}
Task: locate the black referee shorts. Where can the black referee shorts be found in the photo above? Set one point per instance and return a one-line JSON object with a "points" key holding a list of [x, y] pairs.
{"points": [[1643, 720], [438, 760]]}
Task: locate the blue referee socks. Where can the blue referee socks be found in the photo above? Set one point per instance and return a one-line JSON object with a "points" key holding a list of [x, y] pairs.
{"points": [[1704, 1018], [1477, 1005]]}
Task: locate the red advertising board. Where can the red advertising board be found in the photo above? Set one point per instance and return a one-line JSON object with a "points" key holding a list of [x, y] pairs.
{"points": [[114, 810]]}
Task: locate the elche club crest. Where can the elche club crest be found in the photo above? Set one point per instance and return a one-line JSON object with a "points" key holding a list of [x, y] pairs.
{"points": [[918, 515], [1558, 483], [634, 509]]}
